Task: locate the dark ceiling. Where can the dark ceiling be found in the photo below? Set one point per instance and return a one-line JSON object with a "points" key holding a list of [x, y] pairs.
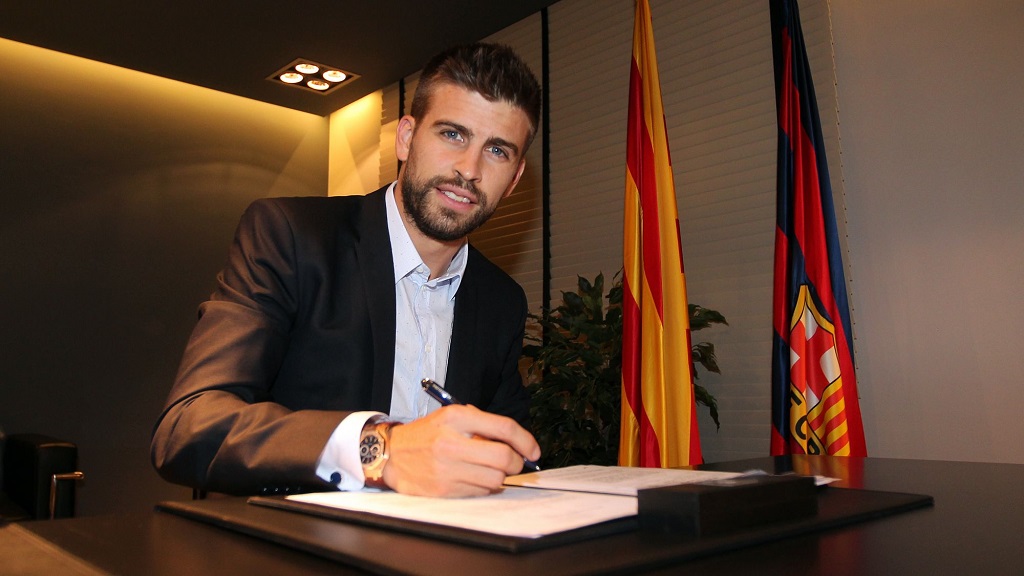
{"points": [[234, 45]]}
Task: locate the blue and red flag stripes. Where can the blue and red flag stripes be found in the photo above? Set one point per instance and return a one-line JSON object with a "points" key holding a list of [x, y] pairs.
{"points": [[814, 386], [659, 418]]}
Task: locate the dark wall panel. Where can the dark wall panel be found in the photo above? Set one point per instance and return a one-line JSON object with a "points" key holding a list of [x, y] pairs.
{"points": [[120, 195]]}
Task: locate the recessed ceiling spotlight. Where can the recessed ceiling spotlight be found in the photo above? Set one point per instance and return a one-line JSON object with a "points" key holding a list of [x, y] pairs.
{"points": [[334, 76], [298, 73]]}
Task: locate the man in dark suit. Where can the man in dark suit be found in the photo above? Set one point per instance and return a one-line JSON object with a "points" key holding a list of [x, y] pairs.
{"points": [[303, 370]]}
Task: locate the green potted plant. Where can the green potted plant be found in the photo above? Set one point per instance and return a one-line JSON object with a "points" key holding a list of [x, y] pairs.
{"points": [[576, 373]]}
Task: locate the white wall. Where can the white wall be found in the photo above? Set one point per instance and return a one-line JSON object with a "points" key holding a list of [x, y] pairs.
{"points": [[931, 98]]}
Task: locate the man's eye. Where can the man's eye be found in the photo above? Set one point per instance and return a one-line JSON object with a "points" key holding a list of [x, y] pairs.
{"points": [[451, 134], [498, 151]]}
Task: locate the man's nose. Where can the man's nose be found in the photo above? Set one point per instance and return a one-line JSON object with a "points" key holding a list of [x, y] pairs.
{"points": [[467, 164]]}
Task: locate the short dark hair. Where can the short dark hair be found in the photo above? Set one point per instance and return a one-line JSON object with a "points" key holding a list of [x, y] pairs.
{"points": [[494, 71]]}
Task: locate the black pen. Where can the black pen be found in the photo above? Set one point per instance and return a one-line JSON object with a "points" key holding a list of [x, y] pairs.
{"points": [[435, 391]]}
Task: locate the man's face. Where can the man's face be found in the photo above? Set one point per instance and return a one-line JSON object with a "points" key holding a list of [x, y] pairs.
{"points": [[461, 159]]}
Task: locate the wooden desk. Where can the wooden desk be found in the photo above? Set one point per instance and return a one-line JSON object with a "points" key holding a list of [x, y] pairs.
{"points": [[973, 528]]}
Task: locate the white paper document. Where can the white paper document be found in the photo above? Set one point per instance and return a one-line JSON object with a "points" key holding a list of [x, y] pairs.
{"points": [[530, 505], [520, 512], [613, 479]]}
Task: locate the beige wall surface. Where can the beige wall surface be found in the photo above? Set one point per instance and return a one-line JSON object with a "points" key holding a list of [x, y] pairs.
{"points": [[354, 151], [931, 99]]}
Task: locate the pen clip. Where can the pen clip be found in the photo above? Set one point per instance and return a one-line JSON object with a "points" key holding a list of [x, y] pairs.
{"points": [[435, 391]]}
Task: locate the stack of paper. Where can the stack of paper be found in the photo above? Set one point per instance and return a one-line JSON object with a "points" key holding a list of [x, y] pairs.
{"points": [[530, 506]]}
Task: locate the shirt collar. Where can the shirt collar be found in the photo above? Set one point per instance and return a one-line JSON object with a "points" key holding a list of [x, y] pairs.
{"points": [[406, 259]]}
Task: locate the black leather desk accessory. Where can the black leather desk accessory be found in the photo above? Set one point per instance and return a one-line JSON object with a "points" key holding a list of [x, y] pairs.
{"points": [[720, 507]]}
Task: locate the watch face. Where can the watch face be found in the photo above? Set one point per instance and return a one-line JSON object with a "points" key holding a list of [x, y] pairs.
{"points": [[369, 449]]}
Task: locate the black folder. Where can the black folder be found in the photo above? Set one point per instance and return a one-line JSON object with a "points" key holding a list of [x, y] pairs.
{"points": [[231, 516], [390, 546]]}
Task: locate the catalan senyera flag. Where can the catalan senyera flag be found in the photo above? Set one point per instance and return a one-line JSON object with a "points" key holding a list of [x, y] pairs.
{"points": [[659, 420], [814, 387]]}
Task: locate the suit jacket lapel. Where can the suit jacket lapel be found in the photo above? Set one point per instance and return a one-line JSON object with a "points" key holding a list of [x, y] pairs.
{"points": [[463, 351], [377, 273]]}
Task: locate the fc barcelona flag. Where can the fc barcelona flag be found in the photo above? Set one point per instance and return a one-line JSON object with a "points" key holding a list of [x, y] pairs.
{"points": [[659, 423], [814, 387]]}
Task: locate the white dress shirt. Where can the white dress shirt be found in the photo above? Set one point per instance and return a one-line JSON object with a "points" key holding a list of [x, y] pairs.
{"points": [[424, 312]]}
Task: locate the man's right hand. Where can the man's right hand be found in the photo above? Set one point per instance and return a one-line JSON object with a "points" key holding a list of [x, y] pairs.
{"points": [[457, 451]]}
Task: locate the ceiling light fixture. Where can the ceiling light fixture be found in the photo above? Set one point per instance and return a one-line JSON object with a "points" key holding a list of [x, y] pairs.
{"points": [[335, 76], [311, 76]]}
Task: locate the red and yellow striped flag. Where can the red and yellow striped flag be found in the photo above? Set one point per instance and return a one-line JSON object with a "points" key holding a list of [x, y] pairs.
{"points": [[659, 418]]}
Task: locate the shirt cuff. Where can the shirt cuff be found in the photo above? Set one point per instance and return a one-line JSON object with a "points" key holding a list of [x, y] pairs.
{"points": [[339, 462]]}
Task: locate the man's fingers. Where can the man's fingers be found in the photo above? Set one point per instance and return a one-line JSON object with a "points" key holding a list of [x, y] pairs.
{"points": [[452, 466], [457, 451], [472, 421]]}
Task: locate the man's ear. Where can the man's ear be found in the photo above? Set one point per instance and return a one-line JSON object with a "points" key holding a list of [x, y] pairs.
{"points": [[403, 137], [515, 180]]}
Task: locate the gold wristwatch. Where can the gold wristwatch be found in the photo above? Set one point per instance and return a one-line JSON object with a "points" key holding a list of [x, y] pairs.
{"points": [[374, 450]]}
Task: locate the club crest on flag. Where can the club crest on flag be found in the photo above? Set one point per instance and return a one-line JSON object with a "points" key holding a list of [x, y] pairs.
{"points": [[816, 409]]}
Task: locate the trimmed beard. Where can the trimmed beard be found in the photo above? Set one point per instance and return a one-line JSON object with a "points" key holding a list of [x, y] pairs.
{"points": [[441, 223]]}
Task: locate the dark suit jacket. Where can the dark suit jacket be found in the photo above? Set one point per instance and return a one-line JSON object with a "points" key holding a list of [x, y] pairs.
{"points": [[300, 331]]}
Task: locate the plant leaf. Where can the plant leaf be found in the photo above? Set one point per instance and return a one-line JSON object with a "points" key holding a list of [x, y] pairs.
{"points": [[576, 372]]}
